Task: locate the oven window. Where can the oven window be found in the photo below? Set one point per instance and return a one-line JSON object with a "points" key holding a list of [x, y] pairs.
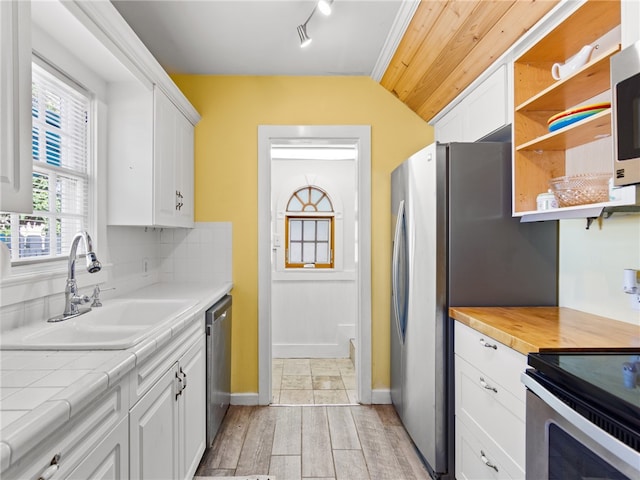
{"points": [[570, 460]]}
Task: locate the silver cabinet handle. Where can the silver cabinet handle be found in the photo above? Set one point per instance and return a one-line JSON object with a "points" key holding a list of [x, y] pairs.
{"points": [[487, 344], [486, 461], [179, 386], [486, 386], [184, 379], [51, 469]]}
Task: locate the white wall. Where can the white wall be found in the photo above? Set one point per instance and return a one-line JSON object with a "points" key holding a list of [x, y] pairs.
{"points": [[314, 311], [592, 263]]}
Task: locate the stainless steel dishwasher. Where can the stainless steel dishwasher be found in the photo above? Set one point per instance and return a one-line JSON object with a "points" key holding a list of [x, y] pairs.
{"points": [[218, 325]]}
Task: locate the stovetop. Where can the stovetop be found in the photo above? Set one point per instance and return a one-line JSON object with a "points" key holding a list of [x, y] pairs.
{"points": [[609, 380]]}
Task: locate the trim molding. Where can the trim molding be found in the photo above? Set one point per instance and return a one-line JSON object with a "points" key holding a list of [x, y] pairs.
{"points": [[381, 396], [400, 25], [247, 399]]}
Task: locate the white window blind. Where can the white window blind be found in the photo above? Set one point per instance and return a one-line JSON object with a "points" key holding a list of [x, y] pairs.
{"points": [[60, 149]]}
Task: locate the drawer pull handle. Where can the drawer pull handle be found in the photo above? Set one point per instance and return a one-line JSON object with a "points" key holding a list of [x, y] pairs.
{"points": [[487, 344], [51, 469], [486, 461], [486, 386]]}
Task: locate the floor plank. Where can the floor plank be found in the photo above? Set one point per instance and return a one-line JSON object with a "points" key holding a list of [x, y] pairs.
{"points": [[350, 465], [287, 439], [256, 451], [286, 467], [387, 414], [317, 458], [376, 447], [344, 435], [411, 467], [227, 445]]}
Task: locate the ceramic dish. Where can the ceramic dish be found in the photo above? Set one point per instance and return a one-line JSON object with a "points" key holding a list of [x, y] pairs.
{"points": [[569, 119], [594, 106]]}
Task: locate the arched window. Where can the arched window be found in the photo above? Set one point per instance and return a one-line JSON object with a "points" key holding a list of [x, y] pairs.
{"points": [[309, 229]]}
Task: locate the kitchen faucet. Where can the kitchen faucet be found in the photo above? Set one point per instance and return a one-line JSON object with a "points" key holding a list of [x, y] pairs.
{"points": [[71, 297]]}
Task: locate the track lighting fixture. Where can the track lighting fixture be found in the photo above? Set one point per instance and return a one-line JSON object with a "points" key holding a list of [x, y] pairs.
{"points": [[302, 33], [325, 7]]}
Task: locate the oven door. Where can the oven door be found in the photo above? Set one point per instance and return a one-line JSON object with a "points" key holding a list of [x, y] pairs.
{"points": [[561, 444]]}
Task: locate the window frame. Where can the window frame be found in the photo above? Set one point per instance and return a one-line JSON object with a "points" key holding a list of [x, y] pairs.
{"points": [[53, 172], [331, 243]]}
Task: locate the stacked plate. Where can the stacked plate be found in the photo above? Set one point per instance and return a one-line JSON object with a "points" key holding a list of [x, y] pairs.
{"points": [[575, 114]]}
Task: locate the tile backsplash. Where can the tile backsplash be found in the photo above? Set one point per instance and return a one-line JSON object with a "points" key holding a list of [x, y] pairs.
{"points": [[133, 257]]}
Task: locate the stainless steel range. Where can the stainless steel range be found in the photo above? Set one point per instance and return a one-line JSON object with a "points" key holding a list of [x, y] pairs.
{"points": [[583, 415]]}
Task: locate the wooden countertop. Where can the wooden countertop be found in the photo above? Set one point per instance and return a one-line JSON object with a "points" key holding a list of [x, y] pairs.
{"points": [[533, 329]]}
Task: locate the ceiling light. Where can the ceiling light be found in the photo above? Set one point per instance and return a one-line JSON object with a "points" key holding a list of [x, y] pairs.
{"points": [[325, 6], [302, 33]]}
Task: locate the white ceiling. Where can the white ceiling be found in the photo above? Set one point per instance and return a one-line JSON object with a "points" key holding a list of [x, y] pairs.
{"points": [[259, 37]]}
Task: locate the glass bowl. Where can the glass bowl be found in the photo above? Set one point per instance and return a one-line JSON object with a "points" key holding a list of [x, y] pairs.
{"points": [[581, 189]]}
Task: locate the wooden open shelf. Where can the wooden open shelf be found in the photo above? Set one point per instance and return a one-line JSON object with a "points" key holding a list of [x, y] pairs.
{"points": [[591, 128], [539, 155]]}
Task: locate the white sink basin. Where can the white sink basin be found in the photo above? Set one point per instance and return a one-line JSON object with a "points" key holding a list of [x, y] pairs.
{"points": [[119, 324]]}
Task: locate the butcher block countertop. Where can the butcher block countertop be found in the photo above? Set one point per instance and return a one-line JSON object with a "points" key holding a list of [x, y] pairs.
{"points": [[533, 329]]}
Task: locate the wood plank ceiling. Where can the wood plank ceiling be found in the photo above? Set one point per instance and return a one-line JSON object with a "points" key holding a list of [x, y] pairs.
{"points": [[449, 43]]}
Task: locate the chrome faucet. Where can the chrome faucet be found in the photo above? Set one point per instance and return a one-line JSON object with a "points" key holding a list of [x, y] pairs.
{"points": [[71, 297]]}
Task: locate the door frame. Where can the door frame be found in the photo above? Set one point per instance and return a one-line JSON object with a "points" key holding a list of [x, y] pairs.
{"points": [[360, 135]]}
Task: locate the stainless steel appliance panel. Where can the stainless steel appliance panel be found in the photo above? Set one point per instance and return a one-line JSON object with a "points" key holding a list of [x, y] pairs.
{"points": [[218, 328], [625, 81], [451, 215]]}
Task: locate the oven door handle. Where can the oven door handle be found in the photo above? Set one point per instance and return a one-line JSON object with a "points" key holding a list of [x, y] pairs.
{"points": [[613, 445]]}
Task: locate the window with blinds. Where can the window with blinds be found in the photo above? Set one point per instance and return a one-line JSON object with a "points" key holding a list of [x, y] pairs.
{"points": [[60, 148]]}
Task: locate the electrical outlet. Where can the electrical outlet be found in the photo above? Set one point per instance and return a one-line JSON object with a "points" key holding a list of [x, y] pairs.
{"points": [[145, 266]]}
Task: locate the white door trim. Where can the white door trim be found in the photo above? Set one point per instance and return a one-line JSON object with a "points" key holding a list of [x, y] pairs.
{"points": [[361, 135]]}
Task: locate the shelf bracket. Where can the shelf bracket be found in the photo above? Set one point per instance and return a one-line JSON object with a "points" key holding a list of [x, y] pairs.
{"points": [[590, 221]]}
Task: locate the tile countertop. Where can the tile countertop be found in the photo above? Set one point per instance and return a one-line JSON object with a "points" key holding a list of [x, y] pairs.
{"points": [[533, 329], [40, 390]]}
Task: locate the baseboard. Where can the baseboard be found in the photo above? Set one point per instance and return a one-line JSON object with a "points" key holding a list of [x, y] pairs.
{"points": [[244, 399], [381, 396]]}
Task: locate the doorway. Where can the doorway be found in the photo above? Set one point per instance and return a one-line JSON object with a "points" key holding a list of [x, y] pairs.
{"points": [[352, 264]]}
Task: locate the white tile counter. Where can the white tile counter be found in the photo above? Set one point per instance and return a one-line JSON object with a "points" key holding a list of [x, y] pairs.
{"points": [[41, 390]]}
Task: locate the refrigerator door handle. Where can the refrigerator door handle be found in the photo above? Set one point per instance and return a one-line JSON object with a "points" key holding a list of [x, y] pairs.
{"points": [[395, 269]]}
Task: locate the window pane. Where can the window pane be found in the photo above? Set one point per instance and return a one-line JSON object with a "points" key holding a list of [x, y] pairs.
{"points": [[322, 253], [304, 195], [323, 230], [316, 195], [66, 228], [33, 241], [308, 252], [69, 195], [324, 205], [295, 230], [309, 230], [40, 192], [295, 253], [294, 205]]}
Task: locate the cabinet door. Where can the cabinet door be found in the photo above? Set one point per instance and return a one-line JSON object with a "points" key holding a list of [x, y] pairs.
{"points": [[192, 408], [15, 107], [164, 159], [110, 459], [153, 431], [486, 108], [184, 170]]}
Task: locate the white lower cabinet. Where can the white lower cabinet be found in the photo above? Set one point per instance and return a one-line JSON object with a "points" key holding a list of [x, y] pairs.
{"points": [[167, 425], [489, 407], [109, 460]]}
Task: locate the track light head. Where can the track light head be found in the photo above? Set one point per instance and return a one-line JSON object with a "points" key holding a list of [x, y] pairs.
{"points": [[305, 40], [325, 6]]}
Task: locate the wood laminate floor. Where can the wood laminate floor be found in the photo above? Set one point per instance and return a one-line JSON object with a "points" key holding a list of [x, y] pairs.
{"points": [[313, 442]]}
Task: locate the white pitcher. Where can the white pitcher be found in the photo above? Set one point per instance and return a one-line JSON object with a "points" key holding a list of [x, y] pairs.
{"points": [[558, 71]]}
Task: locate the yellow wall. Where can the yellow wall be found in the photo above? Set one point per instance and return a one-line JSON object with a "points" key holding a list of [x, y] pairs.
{"points": [[226, 180]]}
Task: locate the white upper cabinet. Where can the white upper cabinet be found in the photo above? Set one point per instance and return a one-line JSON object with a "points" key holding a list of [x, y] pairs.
{"points": [[150, 179], [15, 107], [483, 110]]}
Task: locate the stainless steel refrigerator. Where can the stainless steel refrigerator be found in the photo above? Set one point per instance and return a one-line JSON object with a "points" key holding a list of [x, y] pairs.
{"points": [[455, 243]]}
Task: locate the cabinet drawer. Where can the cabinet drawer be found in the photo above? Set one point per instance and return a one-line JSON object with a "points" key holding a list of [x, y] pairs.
{"points": [[77, 439], [480, 400], [503, 364], [478, 457]]}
